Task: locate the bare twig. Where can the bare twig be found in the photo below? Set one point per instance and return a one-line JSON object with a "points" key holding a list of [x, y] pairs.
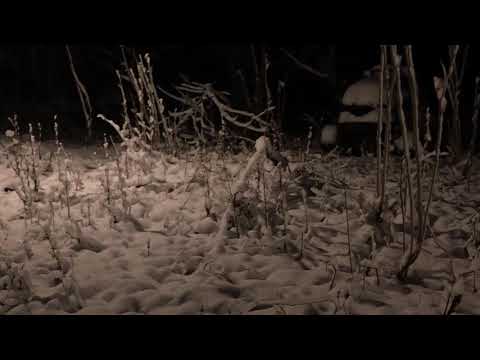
{"points": [[305, 66], [402, 204], [348, 234], [441, 92], [442, 107], [396, 62], [476, 109], [380, 125], [416, 132], [261, 145], [83, 94], [389, 85]]}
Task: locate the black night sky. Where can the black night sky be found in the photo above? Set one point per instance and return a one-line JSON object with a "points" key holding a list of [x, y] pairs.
{"points": [[36, 81]]}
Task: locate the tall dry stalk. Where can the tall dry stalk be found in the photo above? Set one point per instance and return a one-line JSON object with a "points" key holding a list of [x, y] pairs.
{"points": [[412, 80], [411, 256], [476, 107], [441, 93], [380, 125], [454, 95], [402, 204], [389, 87], [84, 97], [396, 59], [348, 232]]}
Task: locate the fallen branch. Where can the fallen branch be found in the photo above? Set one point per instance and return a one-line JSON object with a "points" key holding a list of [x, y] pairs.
{"points": [[262, 144]]}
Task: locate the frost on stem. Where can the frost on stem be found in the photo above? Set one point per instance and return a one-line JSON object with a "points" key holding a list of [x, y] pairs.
{"points": [[262, 145]]}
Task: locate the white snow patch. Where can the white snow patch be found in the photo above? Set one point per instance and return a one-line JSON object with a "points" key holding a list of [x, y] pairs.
{"points": [[365, 92]]}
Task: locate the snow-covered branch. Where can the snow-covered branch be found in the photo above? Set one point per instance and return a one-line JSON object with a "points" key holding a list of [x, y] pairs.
{"points": [[262, 145]]}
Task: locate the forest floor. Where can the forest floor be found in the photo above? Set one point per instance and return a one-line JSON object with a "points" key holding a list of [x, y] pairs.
{"points": [[157, 258]]}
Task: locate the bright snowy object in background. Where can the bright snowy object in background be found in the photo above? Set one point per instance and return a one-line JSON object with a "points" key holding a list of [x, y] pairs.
{"points": [[9, 133], [357, 123], [365, 92]]}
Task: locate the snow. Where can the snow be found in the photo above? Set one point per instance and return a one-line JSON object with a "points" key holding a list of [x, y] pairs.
{"points": [[159, 260], [365, 92]]}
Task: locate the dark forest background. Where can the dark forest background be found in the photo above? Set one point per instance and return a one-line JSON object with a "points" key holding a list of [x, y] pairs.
{"points": [[36, 81]]}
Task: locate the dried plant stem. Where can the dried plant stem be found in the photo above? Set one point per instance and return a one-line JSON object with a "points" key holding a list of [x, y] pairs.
{"points": [[265, 207], [402, 203], [67, 196], [441, 99], [309, 143], [39, 147], [306, 229], [348, 233], [89, 212], [52, 215], [304, 66], [396, 61], [283, 193], [380, 125], [109, 195], [261, 146], [390, 83], [413, 254], [280, 113], [83, 94], [476, 107], [416, 132], [35, 179], [454, 92]]}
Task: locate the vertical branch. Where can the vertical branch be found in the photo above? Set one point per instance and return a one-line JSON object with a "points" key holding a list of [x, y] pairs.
{"points": [[126, 117], [256, 69], [265, 88], [416, 126], [244, 86], [158, 101], [476, 107], [396, 62], [453, 92], [280, 110], [389, 87], [464, 63], [441, 93], [348, 234], [261, 146], [380, 191], [441, 89], [83, 94], [402, 203]]}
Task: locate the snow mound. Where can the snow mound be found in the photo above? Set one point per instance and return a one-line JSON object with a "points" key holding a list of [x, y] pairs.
{"points": [[365, 92], [206, 226]]}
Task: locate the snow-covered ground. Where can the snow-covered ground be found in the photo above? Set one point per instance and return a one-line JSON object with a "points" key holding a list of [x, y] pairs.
{"points": [[162, 257]]}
